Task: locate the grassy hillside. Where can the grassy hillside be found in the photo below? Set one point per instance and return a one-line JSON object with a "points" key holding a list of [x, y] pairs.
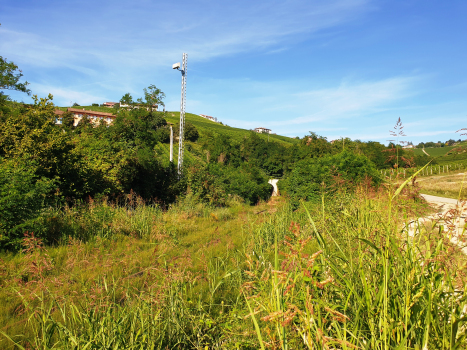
{"points": [[441, 156], [90, 108], [204, 125], [435, 151], [235, 133], [239, 277]]}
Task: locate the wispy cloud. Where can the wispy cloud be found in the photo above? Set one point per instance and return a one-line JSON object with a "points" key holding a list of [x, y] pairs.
{"points": [[205, 29], [67, 95], [278, 101]]}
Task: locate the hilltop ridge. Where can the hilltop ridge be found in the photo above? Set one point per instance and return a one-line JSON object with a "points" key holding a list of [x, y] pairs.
{"points": [[204, 125]]}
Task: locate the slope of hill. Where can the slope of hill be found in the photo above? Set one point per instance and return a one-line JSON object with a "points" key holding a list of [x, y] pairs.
{"points": [[204, 125], [434, 151], [441, 153]]}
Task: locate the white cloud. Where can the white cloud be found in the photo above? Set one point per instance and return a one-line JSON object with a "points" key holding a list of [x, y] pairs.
{"points": [[275, 102], [65, 96], [150, 34]]}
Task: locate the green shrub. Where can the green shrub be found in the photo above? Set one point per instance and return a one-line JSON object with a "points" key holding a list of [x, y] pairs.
{"points": [[311, 177], [163, 135], [23, 195], [190, 131], [214, 183]]}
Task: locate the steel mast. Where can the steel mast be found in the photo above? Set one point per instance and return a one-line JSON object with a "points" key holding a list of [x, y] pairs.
{"points": [[182, 115]]}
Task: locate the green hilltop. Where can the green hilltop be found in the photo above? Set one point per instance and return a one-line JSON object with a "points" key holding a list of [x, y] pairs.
{"points": [[447, 154], [204, 125], [193, 151]]}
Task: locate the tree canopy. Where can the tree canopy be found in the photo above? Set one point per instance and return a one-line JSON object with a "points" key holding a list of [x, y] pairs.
{"points": [[10, 76]]}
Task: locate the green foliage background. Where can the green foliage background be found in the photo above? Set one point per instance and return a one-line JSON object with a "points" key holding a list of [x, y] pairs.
{"points": [[68, 164]]}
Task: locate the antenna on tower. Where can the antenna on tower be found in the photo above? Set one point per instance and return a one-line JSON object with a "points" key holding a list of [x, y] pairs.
{"points": [[182, 112]]}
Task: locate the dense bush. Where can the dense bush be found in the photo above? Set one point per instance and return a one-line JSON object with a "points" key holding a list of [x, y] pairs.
{"points": [[190, 131], [312, 177], [22, 196], [214, 183]]}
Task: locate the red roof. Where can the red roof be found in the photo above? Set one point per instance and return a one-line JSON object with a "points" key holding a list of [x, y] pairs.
{"points": [[80, 111]]}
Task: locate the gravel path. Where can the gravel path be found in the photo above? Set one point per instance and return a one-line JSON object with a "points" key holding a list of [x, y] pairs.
{"points": [[451, 214]]}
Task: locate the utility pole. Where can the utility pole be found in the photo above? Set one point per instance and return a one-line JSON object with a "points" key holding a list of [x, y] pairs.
{"points": [[182, 112], [171, 144]]}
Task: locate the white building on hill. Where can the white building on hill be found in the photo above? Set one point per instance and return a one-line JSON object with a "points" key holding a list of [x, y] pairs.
{"points": [[208, 117], [263, 130]]}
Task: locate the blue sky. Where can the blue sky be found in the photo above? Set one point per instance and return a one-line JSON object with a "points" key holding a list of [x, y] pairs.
{"points": [[340, 68]]}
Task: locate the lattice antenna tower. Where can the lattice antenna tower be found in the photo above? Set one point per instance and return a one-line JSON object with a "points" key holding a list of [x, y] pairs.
{"points": [[182, 112]]}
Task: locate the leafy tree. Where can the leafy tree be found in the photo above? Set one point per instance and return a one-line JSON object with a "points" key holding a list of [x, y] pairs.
{"points": [[138, 126], [76, 104], [310, 178], [29, 133], [214, 183], [68, 120], [163, 135], [269, 156], [220, 148], [127, 99], [23, 194], [191, 133], [450, 142], [10, 76], [375, 152], [152, 97]]}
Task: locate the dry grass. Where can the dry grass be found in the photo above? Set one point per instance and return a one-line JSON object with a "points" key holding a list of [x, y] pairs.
{"points": [[450, 186], [343, 276], [180, 243]]}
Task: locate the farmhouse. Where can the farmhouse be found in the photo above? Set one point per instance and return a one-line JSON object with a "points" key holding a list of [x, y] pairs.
{"points": [[208, 117], [263, 130], [139, 105], [94, 117], [110, 104]]}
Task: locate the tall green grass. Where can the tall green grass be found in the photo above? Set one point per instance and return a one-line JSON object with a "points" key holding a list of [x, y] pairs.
{"points": [[340, 274]]}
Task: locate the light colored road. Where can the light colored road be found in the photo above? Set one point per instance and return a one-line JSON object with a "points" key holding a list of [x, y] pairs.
{"points": [[451, 215], [439, 200], [425, 152], [273, 182]]}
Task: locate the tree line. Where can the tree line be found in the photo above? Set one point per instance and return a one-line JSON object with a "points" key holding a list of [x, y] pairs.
{"points": [[45, 164]]}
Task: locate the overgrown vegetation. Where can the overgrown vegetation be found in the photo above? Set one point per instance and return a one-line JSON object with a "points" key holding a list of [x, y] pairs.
{"points": [[338, 274], [104, 245]]}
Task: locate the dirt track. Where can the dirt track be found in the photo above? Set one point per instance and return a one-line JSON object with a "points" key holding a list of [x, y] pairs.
{"points": [[451, 214]]}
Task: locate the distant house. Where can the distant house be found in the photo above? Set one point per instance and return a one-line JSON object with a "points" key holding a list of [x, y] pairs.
{"points": [[208, 117], [58, 118], [110, 104], [408, 146], [263, 130], [94, 117], [138, 105]]}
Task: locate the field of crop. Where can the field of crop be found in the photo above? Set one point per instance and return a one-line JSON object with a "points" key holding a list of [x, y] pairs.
{"points": [[453, 185], [203, 124], [339, 274], [434, 151], [91, 108]]}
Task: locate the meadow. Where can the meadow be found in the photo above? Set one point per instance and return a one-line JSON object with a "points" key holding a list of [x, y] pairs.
{"points": [[451, 185], [105, 245], [435, 151], [337, 273], [237, 134]]}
